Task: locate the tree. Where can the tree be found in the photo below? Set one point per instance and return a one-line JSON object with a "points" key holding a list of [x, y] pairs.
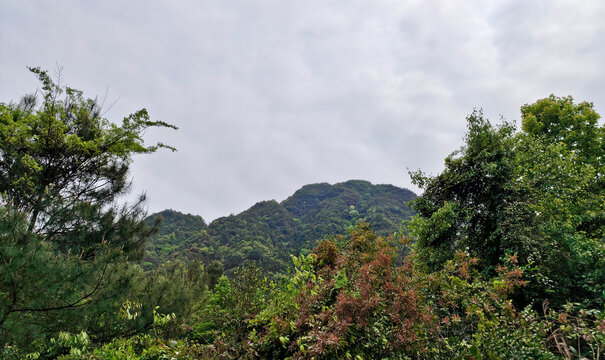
{"points": [[466, 206], [534, 194], [562, 164], [555, 120], [66, 241]]}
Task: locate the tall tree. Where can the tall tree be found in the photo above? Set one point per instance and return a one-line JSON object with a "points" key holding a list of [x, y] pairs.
{"points": [[557, 120], [562, 164], [466, 206], [66, 241], [534, 194]]}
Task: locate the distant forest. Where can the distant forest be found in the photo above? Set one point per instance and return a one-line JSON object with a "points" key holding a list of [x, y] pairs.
{"points": [[269, 233]]}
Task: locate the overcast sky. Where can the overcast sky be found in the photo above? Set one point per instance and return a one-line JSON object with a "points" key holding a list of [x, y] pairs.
{"points": [[271, 95]]}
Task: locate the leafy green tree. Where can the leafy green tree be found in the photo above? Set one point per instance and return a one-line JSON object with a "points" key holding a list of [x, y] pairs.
{"points": [[469, 203], [533, 194], [575, 127], [561, 164], [176, 289], [66, 241]]}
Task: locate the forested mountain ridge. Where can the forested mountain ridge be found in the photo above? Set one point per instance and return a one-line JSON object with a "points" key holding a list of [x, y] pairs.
{"points": [[270, 231]]}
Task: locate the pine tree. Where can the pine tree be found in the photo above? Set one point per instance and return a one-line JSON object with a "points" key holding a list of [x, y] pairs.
{"points": [[66, 242]]}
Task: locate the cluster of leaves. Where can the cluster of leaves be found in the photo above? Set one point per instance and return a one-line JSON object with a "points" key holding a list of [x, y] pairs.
{"points": [[269, 232]]}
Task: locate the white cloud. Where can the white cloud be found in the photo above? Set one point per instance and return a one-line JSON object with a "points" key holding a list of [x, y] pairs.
{"points": [[271, 95]]}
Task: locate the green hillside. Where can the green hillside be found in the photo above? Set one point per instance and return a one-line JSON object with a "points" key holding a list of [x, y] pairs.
{"points": [[269, 232]]}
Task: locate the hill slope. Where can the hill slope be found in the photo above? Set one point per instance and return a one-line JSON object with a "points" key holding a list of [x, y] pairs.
{"points": [[269, 232]]}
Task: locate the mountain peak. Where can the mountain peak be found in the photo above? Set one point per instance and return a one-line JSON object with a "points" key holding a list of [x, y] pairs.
{"points": [[269, 231]]}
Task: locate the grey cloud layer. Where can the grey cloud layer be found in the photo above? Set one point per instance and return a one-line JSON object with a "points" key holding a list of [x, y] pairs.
{"points": [[271, 95]]}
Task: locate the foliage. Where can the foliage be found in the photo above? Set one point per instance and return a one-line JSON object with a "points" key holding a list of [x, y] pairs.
{"points": [[44, 290], [535, 195], [176, 287], [570, 183], [465, 206], [475, 317], [508, 261], [269, 232], [179, 237], [559, 120], [62, 162], [66, 243], [349, 299], [354, 303], [232, 304]]}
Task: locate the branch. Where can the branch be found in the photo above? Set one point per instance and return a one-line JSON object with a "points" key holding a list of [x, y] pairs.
{"points": [[74, 304]]}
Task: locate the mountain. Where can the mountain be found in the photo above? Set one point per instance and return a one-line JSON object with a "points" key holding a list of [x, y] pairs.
{"points": [[269, 232]]}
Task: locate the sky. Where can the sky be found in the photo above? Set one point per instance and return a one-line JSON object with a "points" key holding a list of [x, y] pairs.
{"points": [[270, 95]]}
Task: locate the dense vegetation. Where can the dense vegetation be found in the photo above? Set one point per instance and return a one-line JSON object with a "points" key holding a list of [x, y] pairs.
{"points": [[504, 259], [270, 232]]}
